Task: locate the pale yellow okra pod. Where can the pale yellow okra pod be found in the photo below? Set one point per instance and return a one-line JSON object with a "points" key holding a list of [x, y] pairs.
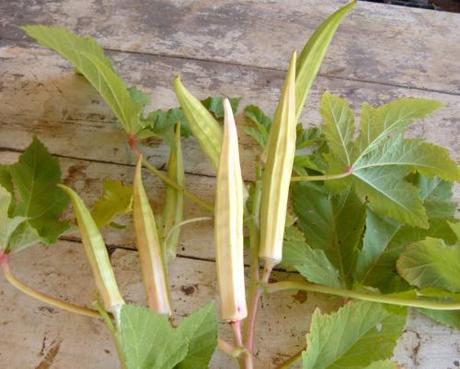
{"points": [[149, 248], [204, 126], [277, 173], [228, 227], [97, 255]]}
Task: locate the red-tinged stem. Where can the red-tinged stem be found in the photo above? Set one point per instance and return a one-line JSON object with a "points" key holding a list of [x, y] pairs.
{"points": [[245, 358], [254, 306], [77, 309]]}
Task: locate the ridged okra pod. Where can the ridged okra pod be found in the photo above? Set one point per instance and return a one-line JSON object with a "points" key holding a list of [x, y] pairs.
{"points": [[204, 126], [149, 247], [228, 227], [277, 172], [97, 255], [173, 211]]}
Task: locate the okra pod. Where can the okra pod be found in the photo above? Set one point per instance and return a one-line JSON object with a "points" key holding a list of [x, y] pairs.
{"points": [[204, 126], [97, 255], [149, 247], [173, 211], [277, 172], [229, 224]]}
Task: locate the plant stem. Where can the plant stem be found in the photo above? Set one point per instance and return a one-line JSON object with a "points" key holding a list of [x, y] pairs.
{"points": [[185, 222], [166, 179], [245, 359], [384, 299], [228, 348], [292, 360], [320, 178], [253, 308], [77, 309], [254, 288]]}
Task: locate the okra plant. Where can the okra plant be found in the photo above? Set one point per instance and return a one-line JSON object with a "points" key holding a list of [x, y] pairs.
{"points": [[358, 211]]}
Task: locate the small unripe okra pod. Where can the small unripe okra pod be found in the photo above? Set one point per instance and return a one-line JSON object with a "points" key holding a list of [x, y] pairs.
{"points": [[277, 172], [149, 247], [204, 126], [228, 227], [97, 255], [173, 211]]}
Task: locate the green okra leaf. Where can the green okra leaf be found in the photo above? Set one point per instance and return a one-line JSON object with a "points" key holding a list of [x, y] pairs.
{"points": [[200, 329], [378, 162], [313, 264], [97, 255], [383, 364], [116, 200], [342, 339], [431, 263], [377, 124], [333, 223], [228, 224], [148, 341], [89, 59], [204, 126], [8, 225], [173, 210], [339, 127], [154, 272], [35, 177], [313, 53], [215, 105], [277, 172]]}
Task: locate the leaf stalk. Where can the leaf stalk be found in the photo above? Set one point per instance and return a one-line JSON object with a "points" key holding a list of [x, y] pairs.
{"points": [[383, 299], [21, 286]]}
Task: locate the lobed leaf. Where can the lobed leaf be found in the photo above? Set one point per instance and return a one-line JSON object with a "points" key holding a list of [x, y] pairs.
{"points": [[116, 200], [35, 177], [89, 59], [200, 330], [313, 264], [148, 341], [339, 127], [392, 118], [342, 340], [331, 223], [431, 263], [7, 225]]}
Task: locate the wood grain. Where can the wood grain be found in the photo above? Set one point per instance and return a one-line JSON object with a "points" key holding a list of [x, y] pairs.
{"points": [[384, 44], [223, 47]]}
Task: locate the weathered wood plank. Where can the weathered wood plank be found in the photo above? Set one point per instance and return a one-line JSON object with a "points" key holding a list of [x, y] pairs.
{"points": [[62, 271], [52, 102], [28, 326], [384, 44]]}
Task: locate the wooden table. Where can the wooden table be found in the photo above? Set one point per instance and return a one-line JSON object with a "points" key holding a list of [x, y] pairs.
{"points": [[234, 48]]}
